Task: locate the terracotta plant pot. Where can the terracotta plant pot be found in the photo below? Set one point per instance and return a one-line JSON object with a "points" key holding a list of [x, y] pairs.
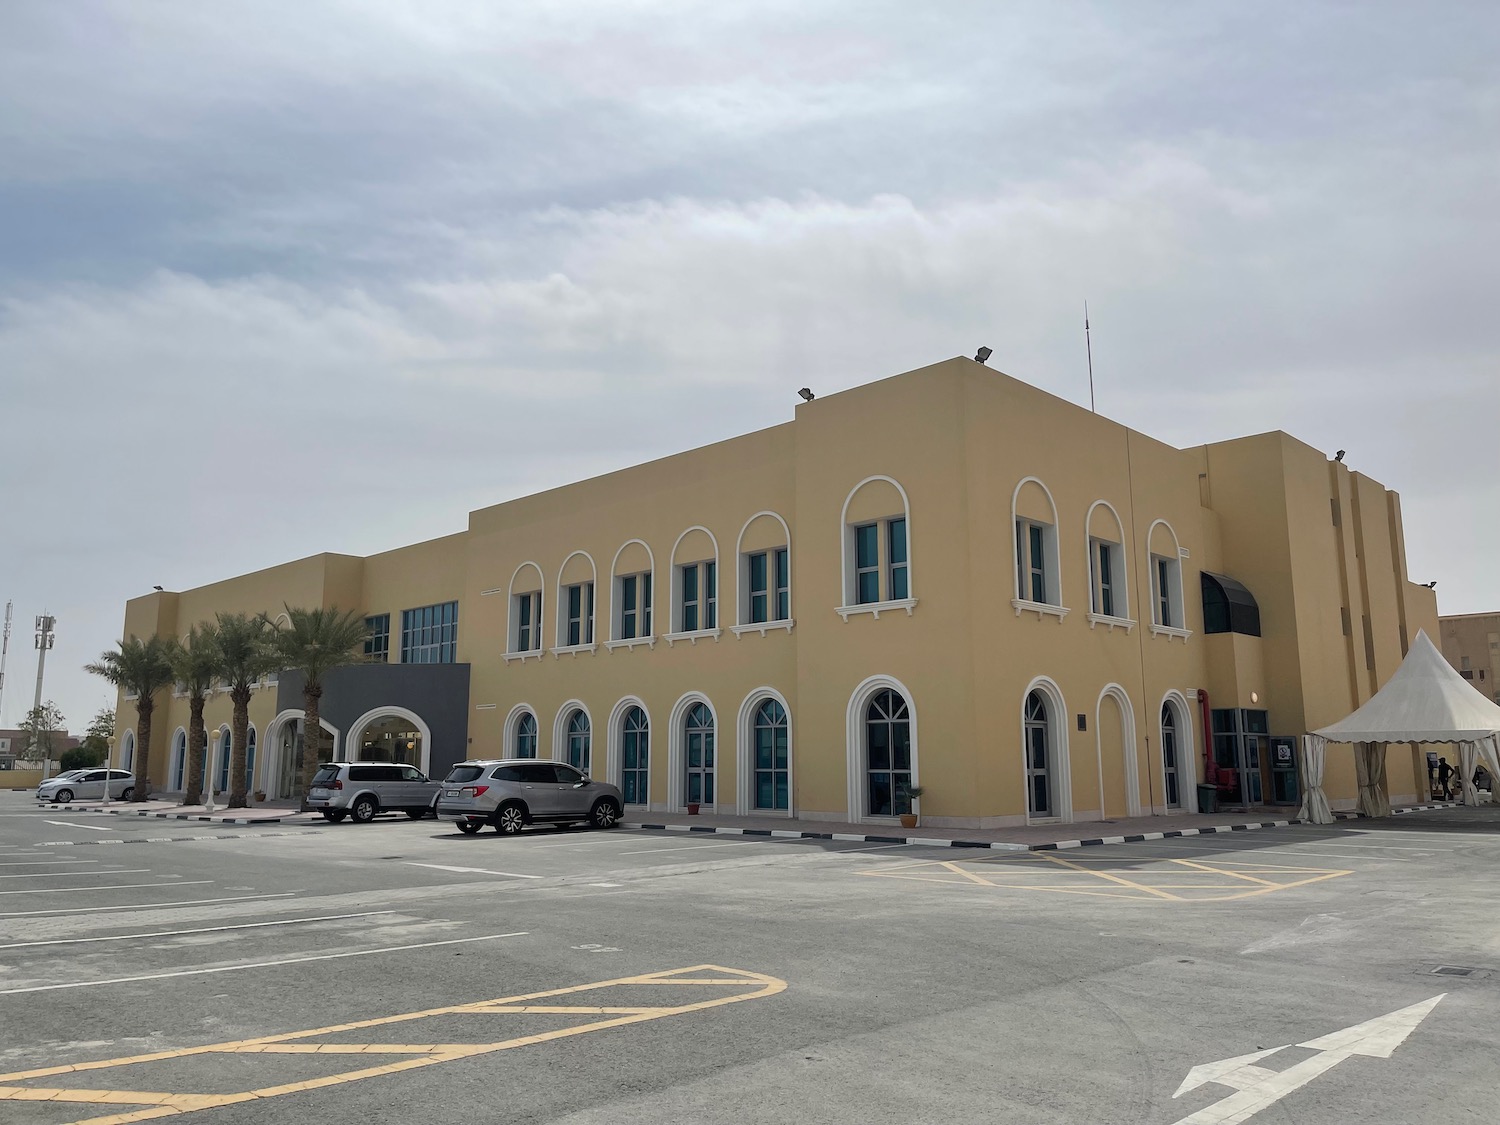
{"points": [[909, 820], [692, 808]]}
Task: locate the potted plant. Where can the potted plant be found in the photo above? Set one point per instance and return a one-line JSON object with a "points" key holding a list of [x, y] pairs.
{"points": [[259, 796], [692, 808], [909, 819]]}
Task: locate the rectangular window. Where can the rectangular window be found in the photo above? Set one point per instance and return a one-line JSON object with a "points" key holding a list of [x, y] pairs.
{"points": [[760, 587], [700, 597], [1104, 578], [528, 611], [378, 643], [1032, 563], [580, 614], [768, 574], [896, 552], [429, 635], [635, 606], [867, 563], [1166, 575], [783, 585]]}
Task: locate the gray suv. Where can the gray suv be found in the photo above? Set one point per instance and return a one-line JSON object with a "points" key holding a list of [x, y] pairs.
{"points": [[514, 792], [362, 789]]}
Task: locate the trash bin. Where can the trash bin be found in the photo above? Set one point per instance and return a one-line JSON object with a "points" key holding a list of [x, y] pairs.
{"points": [[1208, 798]]}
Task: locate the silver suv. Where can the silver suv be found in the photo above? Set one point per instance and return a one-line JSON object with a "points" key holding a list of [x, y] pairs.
{"points": [[362, 789], [513, 792]]}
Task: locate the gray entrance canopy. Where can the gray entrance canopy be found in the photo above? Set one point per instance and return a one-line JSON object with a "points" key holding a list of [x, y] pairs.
{"points": [[1426, 700]]}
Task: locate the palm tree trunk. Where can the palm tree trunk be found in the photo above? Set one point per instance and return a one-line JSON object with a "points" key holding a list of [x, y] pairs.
{"points": [[312, 734], [192, 783], [239, 727], [144, 705]]}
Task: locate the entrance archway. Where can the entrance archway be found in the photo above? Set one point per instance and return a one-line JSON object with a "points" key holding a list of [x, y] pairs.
{"points": [[282, 748], [390, 734]]}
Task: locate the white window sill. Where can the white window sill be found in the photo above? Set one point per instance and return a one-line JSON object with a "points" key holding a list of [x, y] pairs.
{"points": [[695, 636], [522, 657], [762, 627], [1041, 609], [633, 642], [573, 649], [1112, 622], [1169, 632], [877, 608]]}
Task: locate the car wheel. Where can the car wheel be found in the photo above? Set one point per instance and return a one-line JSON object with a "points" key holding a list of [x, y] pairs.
{"points": [[128, 794], [510, 819], [63, 796], [469, 827], [606, 813], [333, 816], [364, 810]]}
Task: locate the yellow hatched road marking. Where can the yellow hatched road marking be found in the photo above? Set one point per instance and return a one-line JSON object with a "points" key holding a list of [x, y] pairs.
{"points": [[1068, 863], [754, 986]]}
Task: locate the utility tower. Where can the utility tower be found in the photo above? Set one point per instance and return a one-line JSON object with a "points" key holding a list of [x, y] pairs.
{"points": [[4, 652], [45, 635]]}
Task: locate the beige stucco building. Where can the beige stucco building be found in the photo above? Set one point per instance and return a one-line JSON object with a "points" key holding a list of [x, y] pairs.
{"points": [[1471, 642], [948, 578]]}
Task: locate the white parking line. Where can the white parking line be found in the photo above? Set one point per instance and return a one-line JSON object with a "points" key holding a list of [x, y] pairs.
{"points": [[203, 930], [471, 870], [112, 887], [75, 874], [45, 859], [259, 964], [75, 824], [148, 905], [686, 848]]}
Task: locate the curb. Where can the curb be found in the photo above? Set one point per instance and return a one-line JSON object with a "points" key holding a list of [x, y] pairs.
{"points": [[177, 816], [1004, 845]]}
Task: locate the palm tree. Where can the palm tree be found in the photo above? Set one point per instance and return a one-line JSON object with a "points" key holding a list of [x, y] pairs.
{"points": [[195, 666], [313, 642], [138, 668], [245, 655]]}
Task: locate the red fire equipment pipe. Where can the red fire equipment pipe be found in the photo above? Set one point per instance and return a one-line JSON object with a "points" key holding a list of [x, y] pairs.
{"points": [[1210, 767]]}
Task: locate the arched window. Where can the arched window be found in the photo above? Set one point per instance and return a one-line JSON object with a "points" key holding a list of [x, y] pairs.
{"points": [[127, 750], [698, 740], [578, 741], [888, 754], [526, 736], [178, 775], [250, 759], [1039, 795], [771, 766], [636, 757], [1170, 760], [221, 748]]}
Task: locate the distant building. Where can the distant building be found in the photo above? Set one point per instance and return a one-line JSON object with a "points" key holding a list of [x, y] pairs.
{"points": [[1471, 642], [13, 746]]}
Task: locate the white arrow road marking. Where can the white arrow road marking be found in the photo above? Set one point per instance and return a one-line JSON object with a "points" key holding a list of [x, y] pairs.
{"points": [[75, 824], [1258, 1087], [471, 870]]}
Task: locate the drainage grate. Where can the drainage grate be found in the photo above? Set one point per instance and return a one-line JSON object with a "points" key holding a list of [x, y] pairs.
{"points": [[1453, 971]]}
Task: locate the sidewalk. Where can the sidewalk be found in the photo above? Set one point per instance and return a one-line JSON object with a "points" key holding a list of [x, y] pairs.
{"points": [[1037, 837], [263, 812]]}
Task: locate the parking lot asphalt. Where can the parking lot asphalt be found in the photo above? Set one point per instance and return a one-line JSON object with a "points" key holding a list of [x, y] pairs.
{"points": [[401, 970]]}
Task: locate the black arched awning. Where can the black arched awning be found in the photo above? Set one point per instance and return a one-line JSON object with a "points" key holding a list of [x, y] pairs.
{"points": [[1228, 607]]}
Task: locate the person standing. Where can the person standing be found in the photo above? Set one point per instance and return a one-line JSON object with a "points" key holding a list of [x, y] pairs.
{"points": [[1445, 778]]}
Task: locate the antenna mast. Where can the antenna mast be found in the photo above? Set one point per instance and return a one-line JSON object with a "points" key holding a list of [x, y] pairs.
{"points": [[1089, 344], [4, 652]]}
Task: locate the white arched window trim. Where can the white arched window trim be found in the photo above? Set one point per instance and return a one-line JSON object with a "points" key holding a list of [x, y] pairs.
{"points": [[1119, 581], [745, 755], [614, 762], [674, 610], [1062, 762], [512, 720], [676, 751], [1174, 591], [560, 600], [1052, 537], [1188, 751], [846, 534], [1128, 748], [742, 580], [177, 766], [127, 749], [357, 728], [560, 731], [649, 640], [854, 743], [270, 747], [513, 625]]}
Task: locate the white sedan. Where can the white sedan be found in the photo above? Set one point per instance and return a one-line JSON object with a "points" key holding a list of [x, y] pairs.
{"points": [[86, 785]]}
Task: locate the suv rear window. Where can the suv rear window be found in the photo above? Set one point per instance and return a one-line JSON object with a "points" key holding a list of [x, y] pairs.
{"points": [[325, 774], [465, 773]]}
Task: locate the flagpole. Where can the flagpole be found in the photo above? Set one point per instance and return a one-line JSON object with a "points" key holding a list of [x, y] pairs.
{"points": [[1089, 344]]}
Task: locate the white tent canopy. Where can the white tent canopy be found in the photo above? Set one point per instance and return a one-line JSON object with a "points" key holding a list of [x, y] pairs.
{"points": [[1425, 701]]}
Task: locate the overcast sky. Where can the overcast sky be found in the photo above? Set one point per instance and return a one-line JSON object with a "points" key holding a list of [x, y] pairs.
{"points": [[288, 276]]}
